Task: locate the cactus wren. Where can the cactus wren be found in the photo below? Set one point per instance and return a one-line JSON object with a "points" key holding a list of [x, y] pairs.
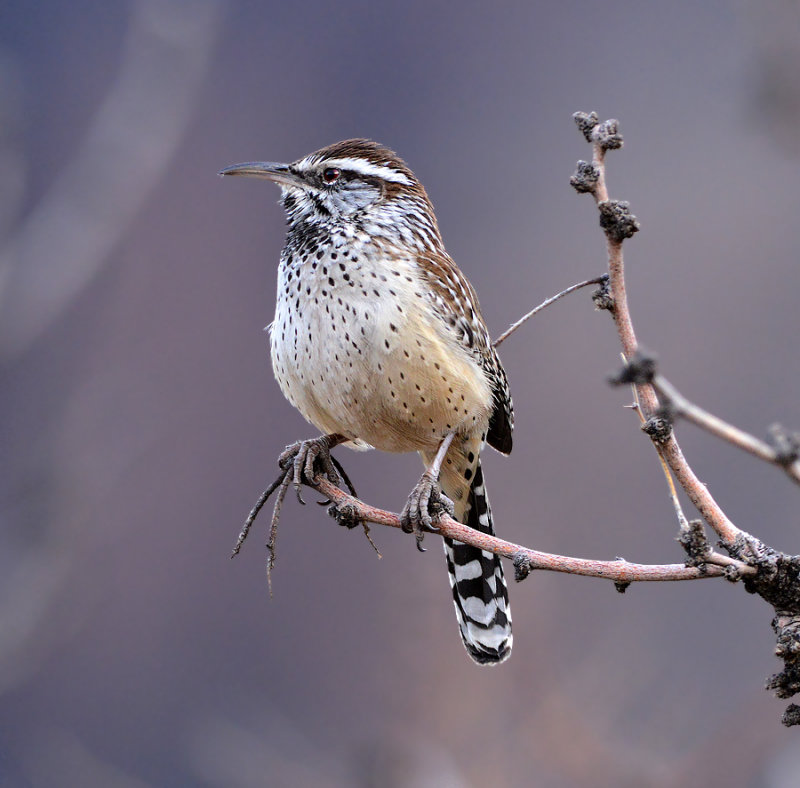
{"points": [[378, 340]]}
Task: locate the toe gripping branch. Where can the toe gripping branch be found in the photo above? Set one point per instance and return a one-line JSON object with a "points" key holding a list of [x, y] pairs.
{"points": [[427, 503], [302, 463]]}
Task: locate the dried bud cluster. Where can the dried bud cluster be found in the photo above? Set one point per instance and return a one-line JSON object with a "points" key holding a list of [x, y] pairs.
{"points": [[659, 428], [586, 121], [786, 444], [639, 370], [617, 221], [695, 542], [602, 297], [607, 135], [585, 178]]}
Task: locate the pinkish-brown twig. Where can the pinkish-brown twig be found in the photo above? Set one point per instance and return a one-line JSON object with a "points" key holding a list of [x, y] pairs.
{"points": [[526, 559], [619, 224], [680, 406], [774, 575], [514, 326]]}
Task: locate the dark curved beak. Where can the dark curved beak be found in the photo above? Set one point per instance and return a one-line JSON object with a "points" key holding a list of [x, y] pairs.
{"points": [[272, 171]]}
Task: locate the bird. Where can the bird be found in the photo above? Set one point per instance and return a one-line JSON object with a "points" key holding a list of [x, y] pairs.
{"points": [[379, 342]]}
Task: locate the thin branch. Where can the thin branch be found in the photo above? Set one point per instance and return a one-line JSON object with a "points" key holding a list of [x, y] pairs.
{"points": [[680, 406], [598, 280], [683, 521], [620, 571], [619, 224], [776, 573], [691, 537]]}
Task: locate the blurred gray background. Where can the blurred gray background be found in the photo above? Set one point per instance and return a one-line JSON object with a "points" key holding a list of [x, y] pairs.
{"points": [[140, 419]]}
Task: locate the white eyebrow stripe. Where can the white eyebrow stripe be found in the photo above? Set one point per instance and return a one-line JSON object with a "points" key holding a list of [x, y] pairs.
{"points": [[363, 167]]}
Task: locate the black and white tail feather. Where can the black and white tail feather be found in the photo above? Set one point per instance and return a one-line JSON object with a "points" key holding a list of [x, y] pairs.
{"points": [[479, 588]]}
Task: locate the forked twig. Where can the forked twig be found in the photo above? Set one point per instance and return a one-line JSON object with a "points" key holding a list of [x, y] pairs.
{"points": [[785, 457], [774, 575], [259, 505], [297, 467]]}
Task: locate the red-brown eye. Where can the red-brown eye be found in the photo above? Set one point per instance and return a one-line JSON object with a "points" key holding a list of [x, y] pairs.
{"points": [[331, 174]]}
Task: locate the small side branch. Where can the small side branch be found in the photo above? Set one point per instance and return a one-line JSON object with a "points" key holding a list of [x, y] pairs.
{"points": [[784, 453], [598, 280]]}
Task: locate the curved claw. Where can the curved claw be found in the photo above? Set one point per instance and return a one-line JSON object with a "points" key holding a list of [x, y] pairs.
{"points": [[297, 476], [300, 458], [424, 507]]}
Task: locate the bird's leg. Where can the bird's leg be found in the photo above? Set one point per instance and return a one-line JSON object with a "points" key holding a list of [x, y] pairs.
{"points": [[427, 502]]}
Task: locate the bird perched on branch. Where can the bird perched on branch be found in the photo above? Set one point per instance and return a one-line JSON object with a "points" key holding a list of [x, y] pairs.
{"points": [[378, 340]]}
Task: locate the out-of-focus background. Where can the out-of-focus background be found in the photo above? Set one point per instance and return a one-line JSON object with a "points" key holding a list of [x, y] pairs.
{"points": [[140, 419]]}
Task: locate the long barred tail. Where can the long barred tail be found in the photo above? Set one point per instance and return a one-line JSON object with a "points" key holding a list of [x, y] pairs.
{"points": [[479, 588]]}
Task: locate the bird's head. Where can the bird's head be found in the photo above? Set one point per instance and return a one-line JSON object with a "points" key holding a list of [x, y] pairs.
{"points": [[350, 180]]}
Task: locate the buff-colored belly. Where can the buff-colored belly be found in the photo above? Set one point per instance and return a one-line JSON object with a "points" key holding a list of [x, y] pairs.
{"points": [[394, 380]]}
